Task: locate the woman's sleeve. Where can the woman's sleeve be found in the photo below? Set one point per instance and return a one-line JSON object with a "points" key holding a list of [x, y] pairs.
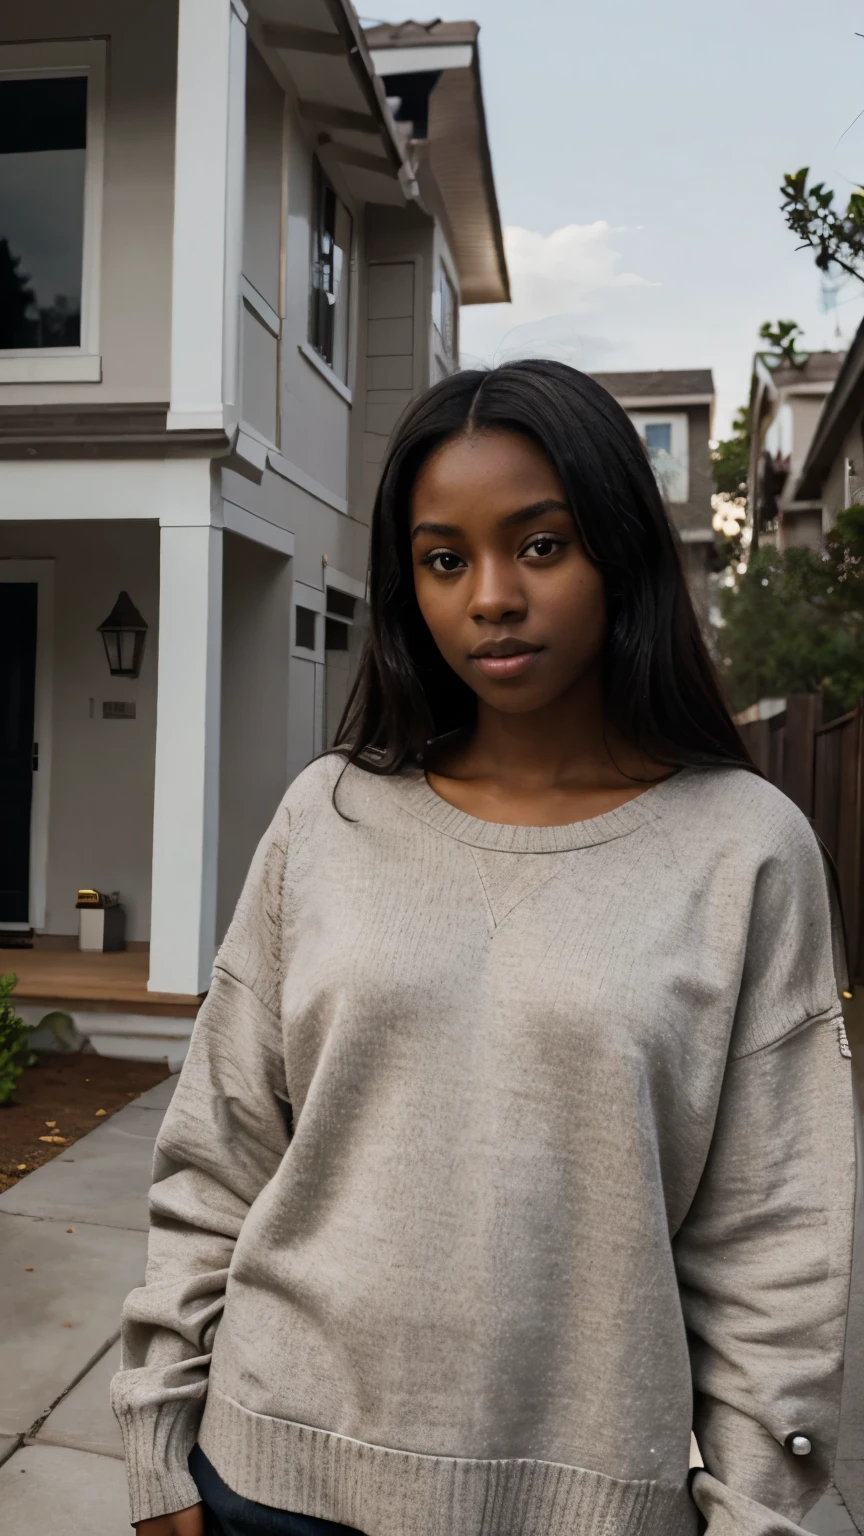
{"points": [[764, 1254], [221, 1141]]}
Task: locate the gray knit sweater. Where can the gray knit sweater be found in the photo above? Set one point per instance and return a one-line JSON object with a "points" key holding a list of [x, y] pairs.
{"points": [[501, 1156]]}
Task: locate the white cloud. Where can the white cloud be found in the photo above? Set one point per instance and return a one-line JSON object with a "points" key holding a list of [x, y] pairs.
{"points": [[560, 284]]}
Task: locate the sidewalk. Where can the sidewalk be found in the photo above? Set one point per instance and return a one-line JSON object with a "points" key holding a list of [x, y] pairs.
{"points": [[73, 1243], [73, 1239]]}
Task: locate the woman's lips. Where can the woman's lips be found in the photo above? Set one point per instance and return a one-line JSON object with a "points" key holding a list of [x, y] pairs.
{"points": [[505, 666]]}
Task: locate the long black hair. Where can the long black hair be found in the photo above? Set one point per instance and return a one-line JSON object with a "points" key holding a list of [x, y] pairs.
{"points": [[660, 686]]}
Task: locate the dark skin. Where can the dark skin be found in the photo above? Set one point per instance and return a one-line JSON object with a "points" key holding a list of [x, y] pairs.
{"points": [[497, 558], [498, 563]]}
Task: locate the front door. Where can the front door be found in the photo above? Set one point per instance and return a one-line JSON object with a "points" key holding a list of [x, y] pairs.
{"points": [[18, 603]]}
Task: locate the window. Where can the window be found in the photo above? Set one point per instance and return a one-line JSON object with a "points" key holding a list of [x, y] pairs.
{"points": [[50, 204], [304, 628], [344, 632], [667, 439], [331, 265], [339, 617], [445, 315], [658, 437]]}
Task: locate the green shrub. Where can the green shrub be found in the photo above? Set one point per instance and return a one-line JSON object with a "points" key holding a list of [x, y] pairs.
{"points": [[14, 1054]]}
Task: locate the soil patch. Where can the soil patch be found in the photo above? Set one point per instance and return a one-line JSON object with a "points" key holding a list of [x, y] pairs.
{"points": [[62, 1096]]}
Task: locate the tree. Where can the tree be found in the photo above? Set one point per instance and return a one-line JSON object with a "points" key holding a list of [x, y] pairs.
{"points": [[794, 622], [836, 235], [783, 336], [730, 458], [16, 298]]}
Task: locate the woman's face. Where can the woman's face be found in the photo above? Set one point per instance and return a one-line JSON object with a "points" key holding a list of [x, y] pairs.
{"points": [[511, 599]]}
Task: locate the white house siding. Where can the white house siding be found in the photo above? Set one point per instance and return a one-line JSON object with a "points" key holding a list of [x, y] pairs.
{"points": [[394, 330], [256, 645], [135, 307], [101, 816], [842, 488]]}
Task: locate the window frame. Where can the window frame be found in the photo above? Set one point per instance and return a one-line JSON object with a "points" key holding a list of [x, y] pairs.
{"points": [[321, 181], [62, 60]]}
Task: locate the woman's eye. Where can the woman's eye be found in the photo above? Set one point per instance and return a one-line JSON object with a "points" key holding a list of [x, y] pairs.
{"points": [[443, 560], [543, 546]]}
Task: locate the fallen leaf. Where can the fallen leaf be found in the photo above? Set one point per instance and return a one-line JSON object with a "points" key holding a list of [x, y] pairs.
{"points": [[70, 1229], [101, 1112], [56, 1141], [29, 1269], [51, 1124], [22, 1167]]}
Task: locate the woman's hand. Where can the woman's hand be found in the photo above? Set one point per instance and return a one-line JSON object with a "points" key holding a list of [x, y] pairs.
{"points": [[186, 1522]]}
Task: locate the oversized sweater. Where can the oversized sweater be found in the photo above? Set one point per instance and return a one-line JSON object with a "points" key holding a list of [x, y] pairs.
{"points": [[502, 1156]]}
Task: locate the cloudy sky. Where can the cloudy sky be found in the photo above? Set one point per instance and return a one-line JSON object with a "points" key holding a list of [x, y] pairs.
{"points": [[638, 150]]}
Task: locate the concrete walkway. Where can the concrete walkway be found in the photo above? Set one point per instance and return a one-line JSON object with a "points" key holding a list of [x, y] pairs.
{"points": [[72, 1244]]}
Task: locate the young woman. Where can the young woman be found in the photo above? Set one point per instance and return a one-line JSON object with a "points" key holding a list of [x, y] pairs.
{"points": [[515, 1136]]}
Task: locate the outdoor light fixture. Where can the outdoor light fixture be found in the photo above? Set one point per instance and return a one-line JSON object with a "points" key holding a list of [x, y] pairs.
{"points": [[123, 634]]}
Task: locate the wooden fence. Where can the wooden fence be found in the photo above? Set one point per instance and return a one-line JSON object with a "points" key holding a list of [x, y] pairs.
{"points": [[821, 768]]}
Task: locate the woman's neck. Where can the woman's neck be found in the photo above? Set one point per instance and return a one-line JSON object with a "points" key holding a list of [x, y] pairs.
{"points": [[562, 763]]}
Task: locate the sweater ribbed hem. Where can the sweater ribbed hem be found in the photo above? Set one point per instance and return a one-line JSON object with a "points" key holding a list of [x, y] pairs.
{"points": [[386, 1492]]}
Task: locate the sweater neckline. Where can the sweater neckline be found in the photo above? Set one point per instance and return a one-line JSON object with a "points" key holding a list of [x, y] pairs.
{"points": [[419, 799]]}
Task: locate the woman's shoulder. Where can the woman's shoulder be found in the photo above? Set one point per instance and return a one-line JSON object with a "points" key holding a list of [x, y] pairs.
{"points": [[332, 785], [735, 807]]}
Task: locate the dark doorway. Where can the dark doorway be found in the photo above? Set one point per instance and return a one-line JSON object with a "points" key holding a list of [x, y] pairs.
{"points": [[18, 603]]}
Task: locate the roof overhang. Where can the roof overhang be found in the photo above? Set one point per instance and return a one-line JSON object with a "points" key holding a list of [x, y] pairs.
{"points": [[662, 402], [325, 63], [456, 152]]}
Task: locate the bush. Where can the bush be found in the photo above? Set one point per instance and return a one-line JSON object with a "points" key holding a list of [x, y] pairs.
{"points": [[14, 1033], [794, 622]]}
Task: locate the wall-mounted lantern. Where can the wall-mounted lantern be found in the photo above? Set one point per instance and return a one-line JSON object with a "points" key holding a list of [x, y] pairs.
{"points": [[123, 634]]}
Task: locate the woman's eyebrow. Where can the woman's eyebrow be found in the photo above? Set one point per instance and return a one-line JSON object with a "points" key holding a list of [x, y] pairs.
{"points": [[521, 515], [439, 530], [536, 509]]}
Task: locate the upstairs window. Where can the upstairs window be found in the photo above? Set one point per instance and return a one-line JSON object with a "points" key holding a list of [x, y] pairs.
{"points": [[331, 268], [667, 438], [445, 314], [50, 203], [43, 154], [658, 437]]}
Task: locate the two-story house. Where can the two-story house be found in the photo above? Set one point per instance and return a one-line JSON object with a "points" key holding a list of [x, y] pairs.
{"points": [[831, 475], [786, 404], [226, 265], [672, 411]]}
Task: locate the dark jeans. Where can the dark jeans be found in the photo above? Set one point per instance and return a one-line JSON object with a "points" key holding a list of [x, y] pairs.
{"points": [[228, 1514]]}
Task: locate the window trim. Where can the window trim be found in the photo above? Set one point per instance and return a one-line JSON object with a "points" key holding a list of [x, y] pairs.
{"points": [[60, 60]]}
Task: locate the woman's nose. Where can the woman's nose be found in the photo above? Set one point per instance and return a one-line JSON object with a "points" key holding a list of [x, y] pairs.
{"points": [[496, 593]]}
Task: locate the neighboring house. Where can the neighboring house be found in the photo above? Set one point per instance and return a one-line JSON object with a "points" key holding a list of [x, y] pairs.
{"points": [[786, 403], [672, 410], [225, 269], [832, 475]]}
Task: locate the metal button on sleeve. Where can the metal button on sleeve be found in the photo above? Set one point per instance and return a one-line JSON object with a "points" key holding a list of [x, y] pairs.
{"points": [[799, 1445]]}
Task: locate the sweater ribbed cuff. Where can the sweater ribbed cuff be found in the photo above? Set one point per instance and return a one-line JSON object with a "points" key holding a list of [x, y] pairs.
{"points": [[157, 1443]]}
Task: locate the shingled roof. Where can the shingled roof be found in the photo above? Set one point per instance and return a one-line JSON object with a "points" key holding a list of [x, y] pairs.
{"points": [[663, 383], [410, 34], [820, 368]]}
